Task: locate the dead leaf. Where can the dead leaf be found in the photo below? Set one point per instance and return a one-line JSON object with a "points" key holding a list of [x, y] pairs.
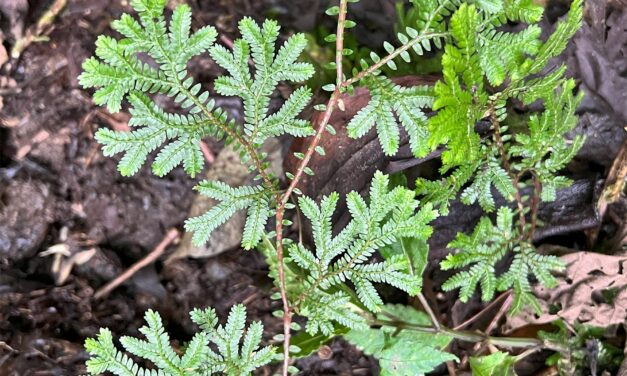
{"points": [[592, 291], [349, 164], [4, 56]]}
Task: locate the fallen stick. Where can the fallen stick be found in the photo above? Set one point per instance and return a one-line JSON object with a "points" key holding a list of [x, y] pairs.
{"points": [[34, 34], [170, 237]]}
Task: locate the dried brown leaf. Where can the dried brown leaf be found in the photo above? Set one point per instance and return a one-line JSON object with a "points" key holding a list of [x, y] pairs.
{"points": [[592, 291]]}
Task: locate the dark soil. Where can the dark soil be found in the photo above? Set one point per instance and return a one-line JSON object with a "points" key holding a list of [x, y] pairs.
{"points": [[57, 188]]}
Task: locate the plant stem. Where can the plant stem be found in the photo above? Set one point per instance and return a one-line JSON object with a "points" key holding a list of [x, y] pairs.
{"points": [[280, 211], [498, 139], [340, 86], [468, 336], [392, 56]]}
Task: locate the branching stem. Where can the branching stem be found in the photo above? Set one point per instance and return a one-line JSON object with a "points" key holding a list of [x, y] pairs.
{"points": [[340, 87], [526, 232], [498, 139], [280, 211], [468, 336]]}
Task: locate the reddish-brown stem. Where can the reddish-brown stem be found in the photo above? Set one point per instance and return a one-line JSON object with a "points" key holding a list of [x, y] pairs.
{"points": [[535, 205], [280, 211], [498, 138], [340, 86]]}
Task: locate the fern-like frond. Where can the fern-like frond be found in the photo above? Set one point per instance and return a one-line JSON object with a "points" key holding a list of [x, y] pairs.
{"points": [[198, 359], [155, 128], [503, 53], [270, 68], [390, 215], [105, 357], [523, 10], [441, 192], [489, 174], [234, 358], [254, 199], [528, 262], [487, 245], [558, 40], [460, 96], [386, 100], [117, 72]]}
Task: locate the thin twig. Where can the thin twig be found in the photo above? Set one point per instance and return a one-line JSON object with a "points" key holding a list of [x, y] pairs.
{"points": [[527, 352], [34, 34], [495, 320], [427, 307], [170, 237], [499, 314], [487, 308], [287, 311]]}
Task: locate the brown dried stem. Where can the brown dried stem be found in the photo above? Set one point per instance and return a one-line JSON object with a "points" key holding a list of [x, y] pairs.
{"points": [[170, 237]]}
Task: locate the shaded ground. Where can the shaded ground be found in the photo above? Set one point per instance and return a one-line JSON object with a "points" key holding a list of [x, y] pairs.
{"points": [[57, 188]]}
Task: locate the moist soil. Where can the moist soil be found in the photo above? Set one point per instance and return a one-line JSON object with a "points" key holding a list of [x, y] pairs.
{"points": [[59, 194], [56, 187]]}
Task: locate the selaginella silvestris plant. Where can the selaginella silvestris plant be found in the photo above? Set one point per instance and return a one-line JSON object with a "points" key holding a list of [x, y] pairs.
{"points": [[332, 284]]}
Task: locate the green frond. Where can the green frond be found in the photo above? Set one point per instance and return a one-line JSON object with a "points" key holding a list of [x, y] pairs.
{"points": [[105, 357], [559, 39], [389, 216], [440, 193], [117, 73], [528, 262], [256, 219], [524, 11], [482, 250], [255, 199], [490, 174], [544, 148], [270, 68], [388, 99], [487, 245], [198, 358], [155, 127], [322, 309], [503, 53], [156, 348]]}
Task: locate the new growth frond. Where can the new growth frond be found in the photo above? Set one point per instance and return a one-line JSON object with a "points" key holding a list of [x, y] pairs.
{"points": [[256, 88]]}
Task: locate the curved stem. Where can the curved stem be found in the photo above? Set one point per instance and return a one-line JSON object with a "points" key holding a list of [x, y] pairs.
{"points": [[280, 211]]}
